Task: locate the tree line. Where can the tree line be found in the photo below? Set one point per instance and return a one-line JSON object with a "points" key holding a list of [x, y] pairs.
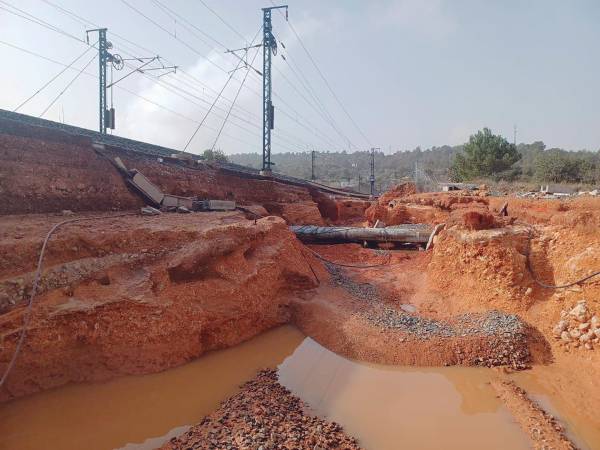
{"points": [[485, 156]]}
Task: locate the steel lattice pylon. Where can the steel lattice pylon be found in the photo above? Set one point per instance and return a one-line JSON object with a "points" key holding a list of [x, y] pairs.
{"points": [[269, 49]]}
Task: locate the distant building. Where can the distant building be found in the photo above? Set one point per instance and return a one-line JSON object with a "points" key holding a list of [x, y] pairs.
{"points": [[446, 187]]}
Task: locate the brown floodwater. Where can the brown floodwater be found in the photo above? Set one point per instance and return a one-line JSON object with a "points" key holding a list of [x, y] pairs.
{"points": [[388, 407], [585, 434], [385, 407], [139, 409]]}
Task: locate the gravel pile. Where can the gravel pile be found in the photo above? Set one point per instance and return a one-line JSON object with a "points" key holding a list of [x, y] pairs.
{"points": [[505, 334], [264, 415]]}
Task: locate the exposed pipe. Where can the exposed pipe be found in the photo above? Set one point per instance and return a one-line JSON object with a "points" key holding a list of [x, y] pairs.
{"points": [[409, 234]]}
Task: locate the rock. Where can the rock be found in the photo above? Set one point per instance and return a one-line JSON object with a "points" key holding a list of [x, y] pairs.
{"points": [[588, 346], [597, 332], [595, 322], [585, 338], [584, 326], [183, 210], [149, 211], [580, 311], [67, 212], [575, 333], [528, 291], [565, 336], [560, 327]]}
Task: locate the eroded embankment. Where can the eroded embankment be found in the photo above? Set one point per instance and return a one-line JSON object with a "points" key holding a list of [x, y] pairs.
{"points": [[354, 320], [136, 294]]}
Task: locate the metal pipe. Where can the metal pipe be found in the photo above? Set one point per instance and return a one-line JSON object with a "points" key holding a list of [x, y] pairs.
{"points": [[411, 234]]}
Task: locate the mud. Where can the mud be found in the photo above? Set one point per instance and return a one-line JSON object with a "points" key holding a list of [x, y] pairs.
{"points": [[139, 412], [171, 288], [137, 295]]}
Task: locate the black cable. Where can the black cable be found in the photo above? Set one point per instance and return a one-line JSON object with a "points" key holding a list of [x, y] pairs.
{"points": [[368, 266], [535, 277]]}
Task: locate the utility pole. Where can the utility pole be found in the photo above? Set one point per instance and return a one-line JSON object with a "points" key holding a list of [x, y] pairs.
{"points": [[107, 115], [372, 178], [515, 135], [269, 47], [103, 46], [312, 165]]}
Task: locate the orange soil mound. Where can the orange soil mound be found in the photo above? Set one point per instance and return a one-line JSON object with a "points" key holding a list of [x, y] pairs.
{"points": [[430, 207], [141, 294]]}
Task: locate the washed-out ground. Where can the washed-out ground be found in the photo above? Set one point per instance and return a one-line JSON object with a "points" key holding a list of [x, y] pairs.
{"points": [[135, 294]]}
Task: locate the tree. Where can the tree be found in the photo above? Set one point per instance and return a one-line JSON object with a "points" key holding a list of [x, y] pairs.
{"points": [[486, 154], [214, 156]]}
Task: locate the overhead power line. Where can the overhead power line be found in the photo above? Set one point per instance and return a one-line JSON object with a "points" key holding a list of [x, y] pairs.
{"points": [[234, 100], [52, 79], [228, 25], [314, 63], [30, 17], [300, 119], [218, 96], [67, 86], [122, 88]]}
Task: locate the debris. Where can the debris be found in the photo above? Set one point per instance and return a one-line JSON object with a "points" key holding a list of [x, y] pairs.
{"points": [[149, 211], [67, 212], [145, 187], [183, 209]]}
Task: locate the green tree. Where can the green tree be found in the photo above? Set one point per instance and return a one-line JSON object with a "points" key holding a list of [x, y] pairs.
{"points": [[486, 154], [214, 156]]}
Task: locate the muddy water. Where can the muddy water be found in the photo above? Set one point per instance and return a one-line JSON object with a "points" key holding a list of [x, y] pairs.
{"points": [[402, 408], [385, 407], [585, 434], [138, 408]]}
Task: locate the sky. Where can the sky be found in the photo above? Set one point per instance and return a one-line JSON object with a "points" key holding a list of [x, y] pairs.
{"points": [[404, 73]]}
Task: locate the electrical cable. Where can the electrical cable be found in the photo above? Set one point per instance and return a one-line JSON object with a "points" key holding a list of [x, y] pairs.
{"points": [[68, 85], [534, 275], [30, 17], [312, 60], [36, 281], [309, 126], [52, 79], [223, 20], [368, 266], [218, 96], [122, 88], [234, 100]]}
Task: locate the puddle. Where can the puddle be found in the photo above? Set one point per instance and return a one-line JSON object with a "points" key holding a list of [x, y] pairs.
{"points": [[398, 407], [583, 433], [138, 409], [385, 407]]}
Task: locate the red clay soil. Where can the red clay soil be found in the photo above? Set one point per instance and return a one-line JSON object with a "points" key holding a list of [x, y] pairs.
{"points": [[543, 430], [137, 294], [56, 172], [396, 207], [263, 415], [474, 271], [365, 319]]}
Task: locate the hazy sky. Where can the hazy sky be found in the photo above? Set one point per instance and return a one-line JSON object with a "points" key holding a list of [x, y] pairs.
{"points": [[410, 72]]}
